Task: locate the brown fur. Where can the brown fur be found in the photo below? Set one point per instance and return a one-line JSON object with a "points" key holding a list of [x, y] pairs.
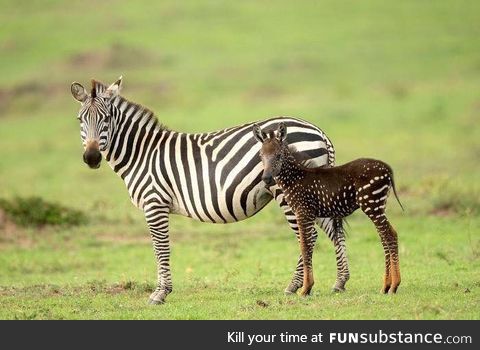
{"points": [[334, 192]]}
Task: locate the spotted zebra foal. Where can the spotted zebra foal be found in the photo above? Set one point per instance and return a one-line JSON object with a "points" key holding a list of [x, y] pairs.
{"points": [[335, 192]]}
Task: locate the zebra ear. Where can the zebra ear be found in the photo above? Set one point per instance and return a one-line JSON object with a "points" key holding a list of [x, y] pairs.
{"points": [[259, 135], [282, 132], [113, 90], [78, 92]]}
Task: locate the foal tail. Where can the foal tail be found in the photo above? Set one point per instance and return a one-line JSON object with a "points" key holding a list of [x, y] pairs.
{"points": [[395, 193]]}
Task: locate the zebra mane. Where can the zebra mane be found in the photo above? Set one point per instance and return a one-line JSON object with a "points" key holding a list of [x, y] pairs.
{"points": [[147, 114], [93, 92]]}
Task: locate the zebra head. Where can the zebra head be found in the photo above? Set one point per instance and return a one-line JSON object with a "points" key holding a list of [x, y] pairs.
{"points": [[272, 151], [95, 118]]}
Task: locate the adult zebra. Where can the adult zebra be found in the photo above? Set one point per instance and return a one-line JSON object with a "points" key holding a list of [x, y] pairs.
{"points": [[212, 177]]}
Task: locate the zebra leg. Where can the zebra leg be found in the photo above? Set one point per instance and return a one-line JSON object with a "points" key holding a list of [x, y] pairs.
{"points": [[334, 230], [157, 219], [297, 279]]}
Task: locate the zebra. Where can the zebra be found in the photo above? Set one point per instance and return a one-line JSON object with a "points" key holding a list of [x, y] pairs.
{"points": [[336, 192], [211, 177]]}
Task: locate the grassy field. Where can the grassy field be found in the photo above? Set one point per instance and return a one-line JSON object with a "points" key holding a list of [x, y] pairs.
{"points": [[395, 81]]}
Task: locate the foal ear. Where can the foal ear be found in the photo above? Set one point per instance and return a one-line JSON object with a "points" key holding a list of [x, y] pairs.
{"points": [[113, 90], [78, 92], [259, 135], [282, 131]]}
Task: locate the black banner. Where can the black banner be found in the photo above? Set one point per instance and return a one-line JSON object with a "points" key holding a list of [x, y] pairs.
{"points": [[242, 334]]}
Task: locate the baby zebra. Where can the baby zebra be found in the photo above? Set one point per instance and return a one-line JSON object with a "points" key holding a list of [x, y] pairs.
{"points": [[331, 192]]}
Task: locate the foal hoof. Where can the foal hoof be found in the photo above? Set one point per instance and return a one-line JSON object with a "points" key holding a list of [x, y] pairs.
{"points": [[385, 289], [336, 289], [306, 293], [393, 290]]}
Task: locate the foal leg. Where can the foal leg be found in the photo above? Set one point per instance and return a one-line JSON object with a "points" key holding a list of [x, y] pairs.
{"points": [[297, 279], [306, 247], [389, 239], [394, 259]]}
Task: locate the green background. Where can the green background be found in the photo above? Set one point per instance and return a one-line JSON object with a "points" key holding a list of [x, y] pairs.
{"points": [[398, 81]]}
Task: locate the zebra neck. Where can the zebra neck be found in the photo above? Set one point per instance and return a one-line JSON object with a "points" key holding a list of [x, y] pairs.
{"points": [[135, 131]]}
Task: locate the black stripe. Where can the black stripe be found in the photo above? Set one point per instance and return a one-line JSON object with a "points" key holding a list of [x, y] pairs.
{"points": [[247, 190], [186, 169], [173, 163], [213, 187], [163, 159], [128, 146], [199, 170]]}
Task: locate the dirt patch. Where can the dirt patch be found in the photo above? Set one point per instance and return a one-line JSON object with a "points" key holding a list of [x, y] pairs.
{"points": [[95, 287], [398, 90], [10, 233], [262, 303], [29, 95], [117, 56], [264, 93], [443, 211], [124, 238]]}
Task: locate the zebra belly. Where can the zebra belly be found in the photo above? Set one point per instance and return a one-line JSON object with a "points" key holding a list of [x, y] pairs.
{"points": [[255, 200], [217, 177]]}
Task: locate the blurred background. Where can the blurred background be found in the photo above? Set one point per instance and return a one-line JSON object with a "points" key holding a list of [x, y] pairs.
{"points": [[398, 81]]}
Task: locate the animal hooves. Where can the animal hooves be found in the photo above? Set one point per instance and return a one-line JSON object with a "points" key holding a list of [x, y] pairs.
{"points": [[155, 302], [308, 293], [291, 290], [338, 289], [158, 297], [385, 289]]}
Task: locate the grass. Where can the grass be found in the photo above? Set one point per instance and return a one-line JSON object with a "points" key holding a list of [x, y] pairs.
{"points": [[380, 81], [240, 274], [34, 211]]}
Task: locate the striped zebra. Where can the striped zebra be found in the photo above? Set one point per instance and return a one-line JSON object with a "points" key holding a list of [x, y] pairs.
{"points": [[211, 177]]}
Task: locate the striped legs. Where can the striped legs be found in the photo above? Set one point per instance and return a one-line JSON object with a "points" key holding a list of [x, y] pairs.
{"points": [[389, 239], [338, 239], [157, 220], [334, 231], [307, 243], [298, 275]]}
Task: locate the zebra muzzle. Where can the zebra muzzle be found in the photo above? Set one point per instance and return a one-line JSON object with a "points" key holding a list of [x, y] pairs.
{"points": [[92, 157]]}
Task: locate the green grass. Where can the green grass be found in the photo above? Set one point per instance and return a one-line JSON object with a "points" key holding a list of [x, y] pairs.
{"points": [[397, 82]]}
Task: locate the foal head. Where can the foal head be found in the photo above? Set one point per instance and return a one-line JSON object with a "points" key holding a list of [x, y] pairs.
{"points": [[272, 151]]}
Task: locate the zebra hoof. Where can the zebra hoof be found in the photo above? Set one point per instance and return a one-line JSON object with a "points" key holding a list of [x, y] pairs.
{"points": [[157, 297], [155, 302], [291, 290], [336, 289]]}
